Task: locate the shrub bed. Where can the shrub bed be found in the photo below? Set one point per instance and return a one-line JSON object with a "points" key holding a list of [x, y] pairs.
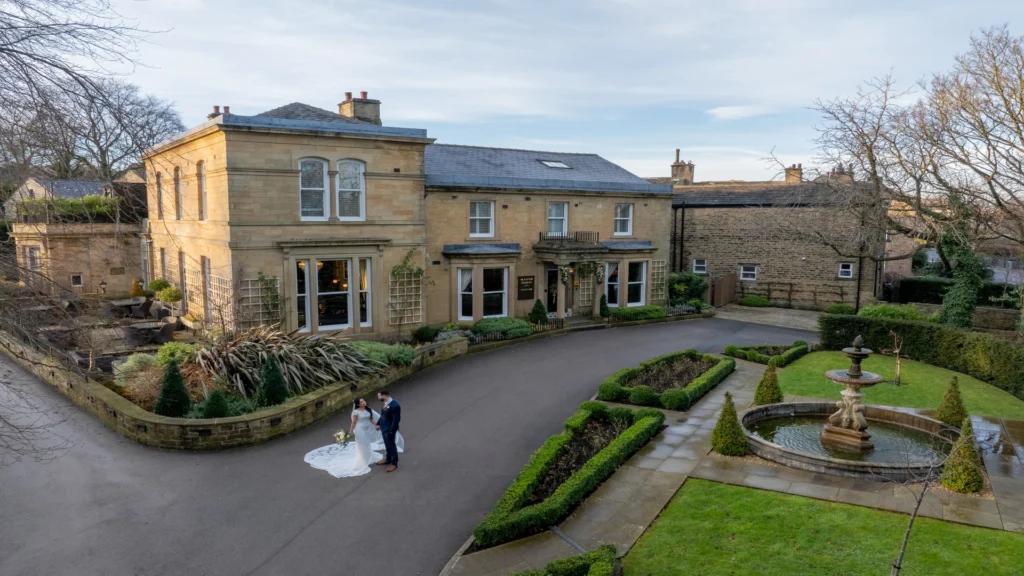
{"points": [[515, 517], [629, 384], [756, 301], [391, 354], [638, 313], [502, 328], [985, 357], [764, 353], [897, 312], [600, 562]]}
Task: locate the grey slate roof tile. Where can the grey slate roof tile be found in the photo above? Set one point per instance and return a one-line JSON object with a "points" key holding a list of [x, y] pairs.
{"points": [[749, 194], [481, 249], [73, 188], [300, 111], [629, 245]]}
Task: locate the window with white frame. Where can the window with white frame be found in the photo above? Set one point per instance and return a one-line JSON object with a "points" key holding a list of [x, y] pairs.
{"points": [[748, 272], [611, 286], [32, 259], [636, 284], [465, 293], [159, 196], [558, 218], [302, 294], [700, 266], [201, 188], [365, 303], [332, 294], [313, 201], [846, 270], [623, 219], [495, 293], [77, 281], [481, 219], [177, 193], [351, 190]]}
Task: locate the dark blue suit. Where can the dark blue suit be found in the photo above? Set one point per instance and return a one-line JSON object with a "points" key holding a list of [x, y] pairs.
{"points": [[390, 417]]}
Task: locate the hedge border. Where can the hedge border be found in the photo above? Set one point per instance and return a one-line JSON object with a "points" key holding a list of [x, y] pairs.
{"points": [[797, 350], [510, 519], [988, 358], [600, 562], [612, 389]]}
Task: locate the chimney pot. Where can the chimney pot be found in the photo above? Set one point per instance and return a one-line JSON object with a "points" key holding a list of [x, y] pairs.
{"points": [[227, 109], [348, 96], [216, 109], [363, 95]]}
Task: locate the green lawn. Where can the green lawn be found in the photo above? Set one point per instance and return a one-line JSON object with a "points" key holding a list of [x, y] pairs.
{"points": [[712, 528], [923, 385]]}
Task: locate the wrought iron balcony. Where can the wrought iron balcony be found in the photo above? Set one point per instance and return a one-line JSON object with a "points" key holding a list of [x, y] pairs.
{"points": [[577, 237]]}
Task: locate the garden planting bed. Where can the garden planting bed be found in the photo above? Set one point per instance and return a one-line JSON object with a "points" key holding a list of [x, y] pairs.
{"points": [[762, 354], [674, 381], [567, 469]]}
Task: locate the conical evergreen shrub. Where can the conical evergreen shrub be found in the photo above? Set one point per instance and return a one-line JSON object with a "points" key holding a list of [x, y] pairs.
{"points": [[768, 391], [136, 290], [272, 385], [951, 410], [605, 311], [173, 399], [216, 405], [962, 472], [539, 313], [727, 438]]}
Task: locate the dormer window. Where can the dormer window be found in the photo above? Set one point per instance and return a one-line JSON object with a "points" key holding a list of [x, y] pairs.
{"points": [[554, 163]]}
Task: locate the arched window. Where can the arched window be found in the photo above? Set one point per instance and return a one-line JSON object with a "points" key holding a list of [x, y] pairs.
{"points": [[351, 190], [313, 202], [201, 188], [159, 196], [177, 193]]}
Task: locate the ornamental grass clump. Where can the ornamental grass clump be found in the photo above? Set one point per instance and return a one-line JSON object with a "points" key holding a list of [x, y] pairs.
{"points": [[173, 400], [951, 410], [768, 391], [273, 390], [727, 438], [962, 472]]}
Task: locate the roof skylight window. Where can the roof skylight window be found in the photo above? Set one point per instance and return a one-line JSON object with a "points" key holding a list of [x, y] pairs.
{"points": [[554, 164]]}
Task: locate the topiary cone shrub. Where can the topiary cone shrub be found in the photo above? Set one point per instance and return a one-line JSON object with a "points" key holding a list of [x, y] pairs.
{"points": [[951, 410], [962, 472], [173, 400], [727, 438], [272, 385], [136, 290], [539, 313], [605, 311], [768, 391], [216, 406]]}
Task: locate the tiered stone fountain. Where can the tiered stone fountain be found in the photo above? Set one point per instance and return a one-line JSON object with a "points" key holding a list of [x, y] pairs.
{"points": [[846, 430]]}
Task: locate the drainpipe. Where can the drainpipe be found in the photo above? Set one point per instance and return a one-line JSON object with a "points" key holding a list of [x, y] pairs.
{"points": [[860, 274], [674, 232], [682, 239]]}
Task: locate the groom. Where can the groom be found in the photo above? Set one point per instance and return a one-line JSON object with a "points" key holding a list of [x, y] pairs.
{"points": [[390, 416]]}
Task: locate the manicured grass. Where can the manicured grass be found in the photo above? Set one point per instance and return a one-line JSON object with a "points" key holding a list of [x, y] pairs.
{"points": [[712, 528], [923, 385]]}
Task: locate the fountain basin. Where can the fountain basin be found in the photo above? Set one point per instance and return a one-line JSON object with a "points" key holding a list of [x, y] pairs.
{"points": [[906, 445]]}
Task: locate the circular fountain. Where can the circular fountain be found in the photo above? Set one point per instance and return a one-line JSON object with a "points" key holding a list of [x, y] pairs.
{"points": [[816, 436]]}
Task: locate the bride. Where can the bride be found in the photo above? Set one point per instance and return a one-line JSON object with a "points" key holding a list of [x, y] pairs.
{"points": [[354, 458]]}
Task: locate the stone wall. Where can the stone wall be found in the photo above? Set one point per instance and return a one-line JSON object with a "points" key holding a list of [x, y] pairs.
{"points": [[984, 318], [157, 431]]}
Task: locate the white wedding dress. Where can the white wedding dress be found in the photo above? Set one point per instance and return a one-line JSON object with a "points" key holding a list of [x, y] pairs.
{"points": [[355, 458]]}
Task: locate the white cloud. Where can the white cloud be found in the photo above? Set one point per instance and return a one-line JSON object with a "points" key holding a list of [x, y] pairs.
{"points": [[738, 112]]}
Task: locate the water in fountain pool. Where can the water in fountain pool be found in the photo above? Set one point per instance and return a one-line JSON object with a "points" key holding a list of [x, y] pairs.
{"points": [[894, 444]]}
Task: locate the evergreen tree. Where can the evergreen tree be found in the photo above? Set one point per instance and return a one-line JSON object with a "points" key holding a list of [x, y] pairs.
{"points": [[951, 410], [136, 290], [605, 311], [727, 438], [962, 472], [216, 405], [768, 391], [272, 385], [539, 314], [173, 399]]}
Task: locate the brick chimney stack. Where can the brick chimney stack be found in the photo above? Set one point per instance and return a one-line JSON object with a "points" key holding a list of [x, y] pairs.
{"points": [[682, 172], [795, 173], [216, 112], [362, 108]]}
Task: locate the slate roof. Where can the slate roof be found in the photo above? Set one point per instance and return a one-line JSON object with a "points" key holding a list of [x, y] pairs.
{"points": [[300, 111], [72, 188], [480, 167], [751, 194], [473, 249], [629, 245]]}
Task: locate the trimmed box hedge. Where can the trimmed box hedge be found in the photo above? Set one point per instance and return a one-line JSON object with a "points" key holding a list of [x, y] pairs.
{"points": [[985, 357], [624, 386], [751, 353], [638, 313], [931, 290], [600, 562], [511, 518]]}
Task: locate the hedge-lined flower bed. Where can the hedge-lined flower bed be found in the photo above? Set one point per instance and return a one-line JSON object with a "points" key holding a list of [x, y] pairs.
{"points": [[987, 358], [600, 562], [514, 517], [762, 354], [391, 354], [638, 313], [626, 385], [504, 328]]}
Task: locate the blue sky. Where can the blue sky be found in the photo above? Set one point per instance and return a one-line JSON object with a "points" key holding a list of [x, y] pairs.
{"points": [[725, 81]]}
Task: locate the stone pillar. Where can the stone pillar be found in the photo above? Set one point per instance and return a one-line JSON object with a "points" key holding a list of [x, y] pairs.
{"points": [[598, 292], [332, 190], [561, 295]]}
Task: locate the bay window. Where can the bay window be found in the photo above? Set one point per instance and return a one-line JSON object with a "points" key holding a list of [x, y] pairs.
{"points": [[325, 296], [495, 288], [465, 293], [313, 202], [351, 190], [332, 294], [636, 284], [365, 319], [611, 288], [302, 294]]}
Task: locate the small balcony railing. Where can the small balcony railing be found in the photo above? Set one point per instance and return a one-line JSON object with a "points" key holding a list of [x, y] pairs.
{"points": [[573, 237]]}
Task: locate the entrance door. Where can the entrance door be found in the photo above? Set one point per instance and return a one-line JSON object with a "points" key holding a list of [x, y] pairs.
{"points": [[552, 289]]}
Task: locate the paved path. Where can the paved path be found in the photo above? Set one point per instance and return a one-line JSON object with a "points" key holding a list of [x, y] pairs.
{"points": [[785, 317], [111, 506]]}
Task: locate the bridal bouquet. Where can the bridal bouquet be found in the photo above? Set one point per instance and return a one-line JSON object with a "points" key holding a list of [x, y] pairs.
{"points": [[343, 437]]}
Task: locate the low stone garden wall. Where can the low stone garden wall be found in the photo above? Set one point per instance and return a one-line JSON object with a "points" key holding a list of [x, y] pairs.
{"points": [[984, 318], [157, 431]]}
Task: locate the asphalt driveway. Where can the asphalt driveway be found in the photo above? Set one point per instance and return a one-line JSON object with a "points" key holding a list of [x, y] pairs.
{"points": [[112, 507]]}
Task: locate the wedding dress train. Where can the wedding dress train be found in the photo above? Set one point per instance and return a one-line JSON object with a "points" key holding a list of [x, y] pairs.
{"points": [[356, 457]]}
